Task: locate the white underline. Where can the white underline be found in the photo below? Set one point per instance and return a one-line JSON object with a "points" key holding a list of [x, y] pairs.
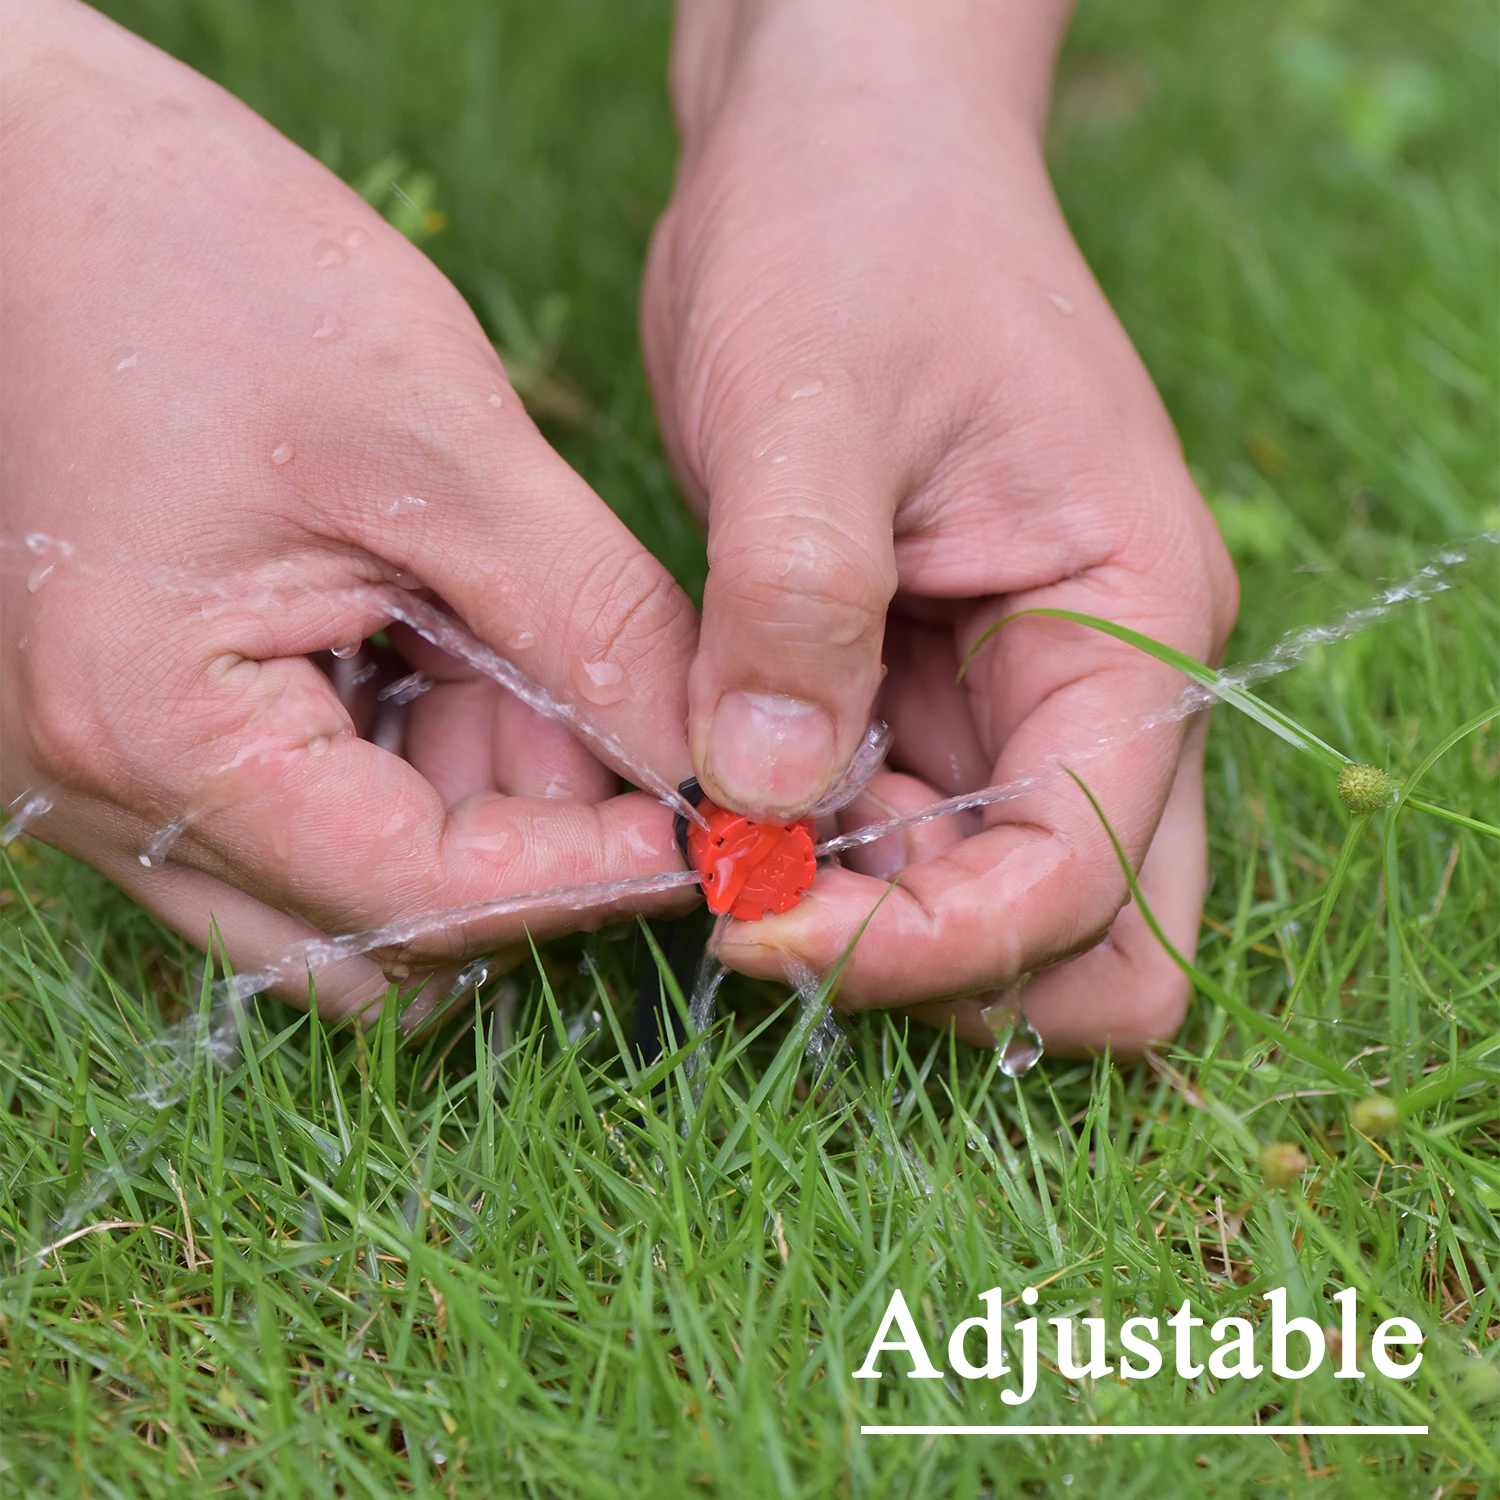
{"points": [[1121, 1430]]}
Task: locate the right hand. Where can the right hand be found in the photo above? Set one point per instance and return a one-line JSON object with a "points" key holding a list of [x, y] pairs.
{"points": [[224, 375]]}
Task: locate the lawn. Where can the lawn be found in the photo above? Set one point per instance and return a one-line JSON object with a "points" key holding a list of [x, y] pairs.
{"points": [[305, 1261]]}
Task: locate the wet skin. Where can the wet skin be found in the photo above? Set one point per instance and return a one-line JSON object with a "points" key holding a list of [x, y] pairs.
{"points": [[887, 382]]}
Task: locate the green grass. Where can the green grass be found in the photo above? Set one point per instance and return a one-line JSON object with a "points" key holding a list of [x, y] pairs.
{"points": [[338, 1267]]}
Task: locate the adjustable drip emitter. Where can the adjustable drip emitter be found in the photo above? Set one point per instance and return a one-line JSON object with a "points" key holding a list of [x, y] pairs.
{"points": [[750, 870]]}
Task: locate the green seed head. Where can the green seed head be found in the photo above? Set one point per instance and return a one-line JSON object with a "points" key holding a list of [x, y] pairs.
{"points": [[1364, 789], [1281, 1162], [1481, 1381], [1376, 1115]]}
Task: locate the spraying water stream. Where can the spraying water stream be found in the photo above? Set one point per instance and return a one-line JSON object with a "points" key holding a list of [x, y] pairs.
{"points": [[169, 1059]]}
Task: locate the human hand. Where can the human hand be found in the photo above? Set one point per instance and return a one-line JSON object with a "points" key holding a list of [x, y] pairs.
{"points": [[253, 414], [886, 377]]}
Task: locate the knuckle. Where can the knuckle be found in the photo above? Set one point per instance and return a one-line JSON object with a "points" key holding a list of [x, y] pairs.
{"points": [[62, 727], [630, 606], [813, 581]]}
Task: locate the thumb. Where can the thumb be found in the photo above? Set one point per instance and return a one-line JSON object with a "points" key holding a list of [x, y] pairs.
{"points": [[801, 569]]}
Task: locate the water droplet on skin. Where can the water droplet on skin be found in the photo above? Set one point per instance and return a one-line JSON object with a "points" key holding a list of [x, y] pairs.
{"points": [[1061, 303], [38, 576], [799, 386], [779, 459], [330, 328], [41, 544], [159, 845], [319, 744], [523, 640], [394, 506], [495, 399], [282, 454], [345, 652], [124, 358], [354, 238], [602, 682], [327, 255]]}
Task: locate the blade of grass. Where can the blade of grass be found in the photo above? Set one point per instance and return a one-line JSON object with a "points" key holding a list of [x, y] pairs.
{"points": [[1223, 688]]}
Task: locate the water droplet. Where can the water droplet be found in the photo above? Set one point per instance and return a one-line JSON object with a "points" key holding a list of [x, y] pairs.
{"points": [[1022, 1052], [159, 845], [394, 506], [327, 255], [330, 328], [801, 385], [38, 576], [522, 640], [602, 682], [779, 459], [24, 811], [495, 399], [319, 744], [282, 454], [1016, 1038], [344, 652], [123, 358], [355, 237], [1061, 303], [42, 545], [471, 977]]}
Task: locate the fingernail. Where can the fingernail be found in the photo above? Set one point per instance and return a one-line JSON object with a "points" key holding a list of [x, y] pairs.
{"points": [[770, 754]]}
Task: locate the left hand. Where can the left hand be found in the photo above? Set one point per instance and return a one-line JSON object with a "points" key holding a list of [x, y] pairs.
{"points": [[888, 379]]}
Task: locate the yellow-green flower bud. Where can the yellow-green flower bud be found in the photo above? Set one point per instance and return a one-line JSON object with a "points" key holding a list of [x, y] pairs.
{"points": [[1481, 1381], [1281, 1162], [1375, 1115], [1364, 789]]}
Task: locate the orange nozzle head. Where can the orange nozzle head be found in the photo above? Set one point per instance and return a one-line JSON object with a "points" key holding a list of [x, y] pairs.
{"points": [[749, 869]]}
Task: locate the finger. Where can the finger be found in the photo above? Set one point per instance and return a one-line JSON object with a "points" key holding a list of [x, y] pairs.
{"points": [[933, 734], [801, 569], [448, 738], [529, 558], [1126, 992], [534, 756], [471, 737], [253, 937], [1042, 881], [891, 795], [1006, 902], [529, 755], [304, 817]]}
